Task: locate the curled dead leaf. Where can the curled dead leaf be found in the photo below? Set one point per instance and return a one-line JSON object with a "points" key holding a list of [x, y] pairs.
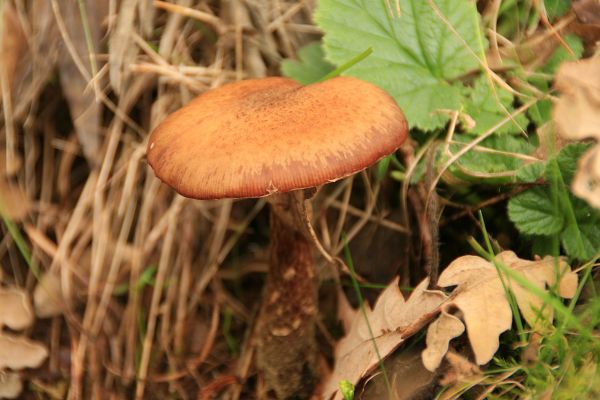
{"points": [[576, 113], [577, 117], [481, 297], [439, 334], [391, 321]]}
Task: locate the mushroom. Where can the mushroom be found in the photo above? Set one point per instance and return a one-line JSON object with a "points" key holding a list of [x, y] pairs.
{"points": [[274, 137]]}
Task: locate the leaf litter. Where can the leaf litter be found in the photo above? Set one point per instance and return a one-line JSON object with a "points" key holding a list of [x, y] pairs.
{"points": [[392, 320], [16, 351], [480, 298]]}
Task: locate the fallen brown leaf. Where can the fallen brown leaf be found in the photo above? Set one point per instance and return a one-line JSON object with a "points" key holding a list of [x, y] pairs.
{"points": [[439, 334], [18, 352], [577, 117], [10, 385], [391, 321], [15, 310], [481, 298]]}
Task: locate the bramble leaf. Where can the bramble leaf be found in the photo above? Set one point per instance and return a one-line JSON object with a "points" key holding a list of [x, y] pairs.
{"points": [[481, 296], [540, 212], [489, 106], [581, 240], [482, 164], [417, 56], [567, 159], [530, 172], [533, 212]]}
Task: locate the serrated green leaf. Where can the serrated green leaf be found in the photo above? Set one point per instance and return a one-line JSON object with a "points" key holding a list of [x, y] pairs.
{"points": [[531, 172], [489, 106], [579, 243], [534, 213], [416, 56], [476, 163], [582, 239], [561, 54], [311, 66], [567, 159]]}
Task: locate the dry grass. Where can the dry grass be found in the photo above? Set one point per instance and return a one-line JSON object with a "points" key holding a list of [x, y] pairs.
{"points": [[78, 105]]}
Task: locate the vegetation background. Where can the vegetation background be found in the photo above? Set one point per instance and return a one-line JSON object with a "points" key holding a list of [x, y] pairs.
{"points": [[140, 293]]}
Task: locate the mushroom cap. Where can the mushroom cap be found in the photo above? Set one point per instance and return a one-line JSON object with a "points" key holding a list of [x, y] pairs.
{"points": [[257, 137]]}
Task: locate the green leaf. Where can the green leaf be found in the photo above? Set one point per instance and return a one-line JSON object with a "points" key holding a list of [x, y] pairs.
{"points": [[531, 172], [382, 167], [488, 106], [540, 112], [311, 67], [475, 164], [534, 213], [561, 54], [416, 57], [556, 8], [567, 159], [347, 389], [582, 239]]}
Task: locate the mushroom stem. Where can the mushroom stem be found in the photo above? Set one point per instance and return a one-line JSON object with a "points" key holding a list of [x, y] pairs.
{"points": [[287, 352]]}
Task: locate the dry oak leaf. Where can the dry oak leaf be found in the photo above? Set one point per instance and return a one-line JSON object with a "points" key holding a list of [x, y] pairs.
{"points": [[577, 116], [16, 352], [10, 385], [481, 298], [392, 320], [15, 310]]}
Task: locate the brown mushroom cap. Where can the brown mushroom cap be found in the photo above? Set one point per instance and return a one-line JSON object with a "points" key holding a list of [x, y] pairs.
{"points": [[256, 137]]}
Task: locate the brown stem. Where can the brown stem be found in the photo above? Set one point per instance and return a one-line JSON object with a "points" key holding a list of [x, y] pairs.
{"points": [[286, 352]]}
